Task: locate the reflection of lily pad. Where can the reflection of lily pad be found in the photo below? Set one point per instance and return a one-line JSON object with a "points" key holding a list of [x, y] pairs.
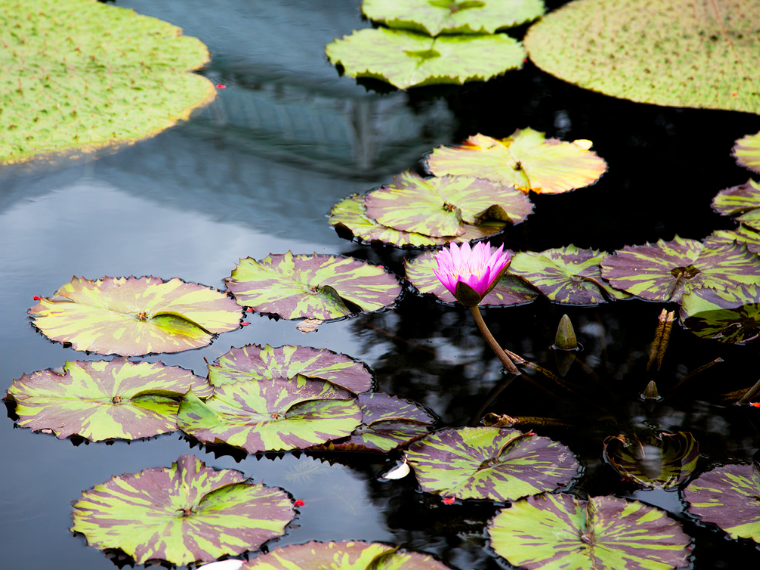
{"points": [[653, 460], [311, 286], [406, 59], [742, 234], [103, 400], [508, 291], [566, 275], [525, 160], [700, 54], [560, 531], [747, 152], [743, 200], [490, 463], [728, 316], [132, 317], [182, 514]]}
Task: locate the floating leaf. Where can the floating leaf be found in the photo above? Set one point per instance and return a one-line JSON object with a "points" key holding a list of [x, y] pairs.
{"points": [[508, 291], [135, 316], [747, 152], [311, 286], [742, 234], [731, 316], [560, 531], [681, 54], [490, 463], [182, 514], [103, 400], [525, 160], [743, 200], [405, 59], [665, 271], [566, 275]]}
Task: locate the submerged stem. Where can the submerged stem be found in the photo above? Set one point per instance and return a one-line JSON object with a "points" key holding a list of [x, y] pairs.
{"points": [[505, 360]]}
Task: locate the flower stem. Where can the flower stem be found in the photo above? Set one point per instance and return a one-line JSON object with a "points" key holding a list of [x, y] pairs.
{"points": [[505, 360]]}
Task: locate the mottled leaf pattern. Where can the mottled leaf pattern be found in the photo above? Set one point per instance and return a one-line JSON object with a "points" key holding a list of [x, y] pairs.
{"points": [[742, 201], [742, 234], [135, 316], [182, 514], [490, 463], [747, 152], [731, 316]]}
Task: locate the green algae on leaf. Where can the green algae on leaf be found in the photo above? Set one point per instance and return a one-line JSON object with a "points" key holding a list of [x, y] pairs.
{"points": [[78, 75], [182, 514], [747, 152], [406, 59], [742, 201], [526, 160], [681, 53], [135, 316], [731, 316]]}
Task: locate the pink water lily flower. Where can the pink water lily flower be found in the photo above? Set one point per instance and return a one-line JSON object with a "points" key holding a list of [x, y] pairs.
{"points": [[471, 273]]}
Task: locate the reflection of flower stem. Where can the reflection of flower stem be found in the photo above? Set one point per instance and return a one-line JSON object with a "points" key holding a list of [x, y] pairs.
{"points": [[505, 360]]}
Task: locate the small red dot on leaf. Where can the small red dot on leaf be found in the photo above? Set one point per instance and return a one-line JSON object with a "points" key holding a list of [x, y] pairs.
{"points": [[244, 324], [531, 433], [37, 298], [448, 500], [734, 94], [249, 310], [525, 60], [220, 86], [299, 503]]}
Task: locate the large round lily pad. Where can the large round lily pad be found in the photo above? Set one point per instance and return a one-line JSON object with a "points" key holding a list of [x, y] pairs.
{"points": [[731, 316], [185, 513], [135, 316], [741, 201], [680, 53], [560, 531], [103, 400], [747, 152]]}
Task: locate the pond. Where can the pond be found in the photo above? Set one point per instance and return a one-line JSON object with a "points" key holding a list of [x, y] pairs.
{"points": [[257, 172]]}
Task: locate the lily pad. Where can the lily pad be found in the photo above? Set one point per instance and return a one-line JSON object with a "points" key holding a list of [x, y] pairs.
{"points": [[185, 513], [747, 152], [311, 286], [510, 290], [742, 234], [743, 200], [731, 316], [406, 59], [490, 463], [104, 400], [525, 160], [135, 316], [681, 54], [727, 497], [663, 460], [78, 75], [440, 207], [665, 271], [434, 17], [566, 275], [560, 531]]}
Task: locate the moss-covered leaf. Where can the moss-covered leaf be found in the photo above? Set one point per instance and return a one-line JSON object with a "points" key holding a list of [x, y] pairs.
{"points": [[731, 316], [742, 234], [747, 152], [742, 201]]}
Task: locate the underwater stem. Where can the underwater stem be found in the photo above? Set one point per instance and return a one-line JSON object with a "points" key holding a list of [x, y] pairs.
{"points": [[505, 360], [750, 393]]}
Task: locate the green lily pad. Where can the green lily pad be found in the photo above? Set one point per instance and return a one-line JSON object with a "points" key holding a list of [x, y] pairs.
{"points": [[566, 275], [663, 460], [665, 271], [104, 400], [510, 290], [311, 286], [135, 316], [681, 54], [79, 75], [731, 316], [747, 152], [525, 160], [743, 200], [560, 531], [490, 463], [185, 513], [742, 234], [406, 59], [453, 16]]}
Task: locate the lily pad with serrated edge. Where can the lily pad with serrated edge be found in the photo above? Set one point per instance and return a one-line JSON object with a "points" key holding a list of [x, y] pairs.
{"points": [[743, 200], [682, 53], [406, 59], [311, 286], [742, 234], [510, 290], [526, 160], [665, 271], [731, 316], [185, 513], [747, 152], [105, 399], [135, 316], [663, 460], [567, 274], [490, 463], [561, 531]]}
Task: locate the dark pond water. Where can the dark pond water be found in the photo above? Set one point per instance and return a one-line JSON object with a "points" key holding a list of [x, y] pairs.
{"points": [[257, 173]]}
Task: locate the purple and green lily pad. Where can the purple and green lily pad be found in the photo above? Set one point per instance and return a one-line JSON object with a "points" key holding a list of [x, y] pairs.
{"points": [[182, 514], [490, 463], [663, 460], [747, 152], [742, 234], [561, 531], [665, 271], [311, 286], [567, 274], [510, 290], [731, 316], [741, 201], [727, 497], [135, 316], [526, 160], [99, 400]]}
